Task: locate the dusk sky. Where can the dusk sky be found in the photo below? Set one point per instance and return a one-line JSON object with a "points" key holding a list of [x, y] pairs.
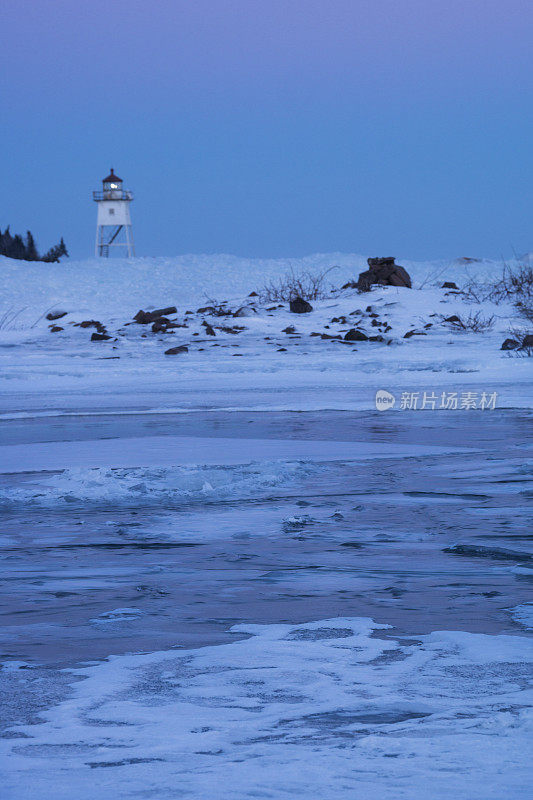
{"points": [[273, 127]]}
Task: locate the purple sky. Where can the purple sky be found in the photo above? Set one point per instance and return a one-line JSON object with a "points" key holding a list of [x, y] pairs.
{"points": [[271, 128]]}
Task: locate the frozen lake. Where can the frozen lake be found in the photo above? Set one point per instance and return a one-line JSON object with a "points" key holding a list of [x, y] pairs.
{"points": [[243, 569]]}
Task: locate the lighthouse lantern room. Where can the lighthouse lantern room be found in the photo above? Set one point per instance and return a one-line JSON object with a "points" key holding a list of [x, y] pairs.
{"points": [[113, 223]]}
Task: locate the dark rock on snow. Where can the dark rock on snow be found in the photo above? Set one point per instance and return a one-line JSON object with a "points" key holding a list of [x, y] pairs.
{"points": [[163, 325], [384, 272], [449, 285], [56, 329], [145, 317], [100, 337], [414, 333], [289, 329], [510, 344], [92, 323], [173, 351], [300, 306], [527, 341], [53, 315], [354, 335]]}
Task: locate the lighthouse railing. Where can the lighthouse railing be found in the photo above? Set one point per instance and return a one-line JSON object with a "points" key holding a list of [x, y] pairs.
{"points": [[112, 195]]}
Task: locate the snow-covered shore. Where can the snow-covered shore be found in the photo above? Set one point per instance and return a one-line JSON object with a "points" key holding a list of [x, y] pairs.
{"points": [[258, 365]]}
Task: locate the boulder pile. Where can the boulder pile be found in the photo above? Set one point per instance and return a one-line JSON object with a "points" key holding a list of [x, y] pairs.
{"points": [[384, 272]]}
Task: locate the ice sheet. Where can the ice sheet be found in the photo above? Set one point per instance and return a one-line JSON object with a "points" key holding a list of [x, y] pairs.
{"points": [[323, 709]]}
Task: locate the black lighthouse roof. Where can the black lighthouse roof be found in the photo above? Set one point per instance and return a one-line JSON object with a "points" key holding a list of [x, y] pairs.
{"points": [[112, 178]]}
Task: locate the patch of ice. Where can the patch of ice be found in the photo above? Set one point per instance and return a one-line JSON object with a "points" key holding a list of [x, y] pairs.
{"points": [[323, 709], [523, 614], [117, 615], [147, 486]]}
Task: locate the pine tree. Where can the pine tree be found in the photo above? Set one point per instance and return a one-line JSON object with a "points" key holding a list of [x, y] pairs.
{"points": [[7, 242], [25, 248], [18, 248], [32, 254]]}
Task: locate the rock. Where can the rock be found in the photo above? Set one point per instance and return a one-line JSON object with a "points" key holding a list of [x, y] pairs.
{"points": [[329, 336], [210, 331], [56, 329], [510, 344], [253, 294], [289, 329], [300, 306], [449, 285], [173, 351], [145, 317], [414, 333], [245, 311], [89, 323], [527, 341], [233, 329], [377, 338], [160, 325], [205, 310], [384, 272], [453, 318], [355, 335], [100, 337], [53, 315]]}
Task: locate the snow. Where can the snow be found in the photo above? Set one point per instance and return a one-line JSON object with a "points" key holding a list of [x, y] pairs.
{"points": [[323, 709], [523, 614], [58, 372]]}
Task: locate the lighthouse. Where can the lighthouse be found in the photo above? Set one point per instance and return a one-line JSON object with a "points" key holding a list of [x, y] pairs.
{"points": [[113, 222]]}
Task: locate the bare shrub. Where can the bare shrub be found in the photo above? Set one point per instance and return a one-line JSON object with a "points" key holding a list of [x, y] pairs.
{"points": [[297, 284], [516, 284], [525, 311], [475, 323], [519, 335]]}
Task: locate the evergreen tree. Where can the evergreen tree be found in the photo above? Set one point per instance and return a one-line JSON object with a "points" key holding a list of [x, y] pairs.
{"points": [[26, 248], [32, 254], [18, 248]]}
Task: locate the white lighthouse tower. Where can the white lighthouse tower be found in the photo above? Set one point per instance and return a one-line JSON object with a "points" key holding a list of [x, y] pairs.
{"points": [[113, 223]]}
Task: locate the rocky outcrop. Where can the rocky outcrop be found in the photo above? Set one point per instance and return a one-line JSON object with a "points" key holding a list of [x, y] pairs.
{"points": [[174, 351], [384, 272]]}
